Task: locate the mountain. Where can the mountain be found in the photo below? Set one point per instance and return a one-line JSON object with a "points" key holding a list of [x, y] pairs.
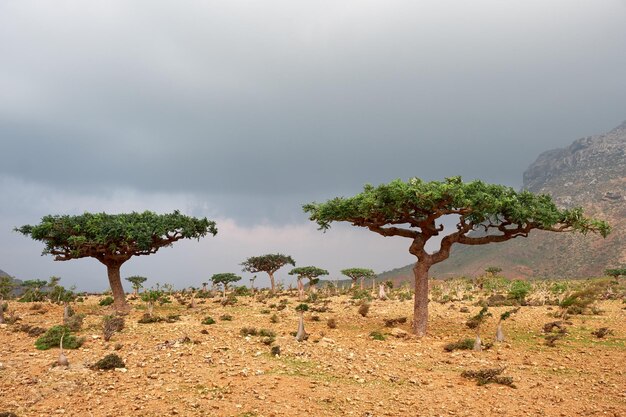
{"points": [[3, 274], [591, 173]]}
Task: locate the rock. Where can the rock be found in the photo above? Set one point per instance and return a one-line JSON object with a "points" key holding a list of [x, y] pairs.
{"points": [[399, 333]]}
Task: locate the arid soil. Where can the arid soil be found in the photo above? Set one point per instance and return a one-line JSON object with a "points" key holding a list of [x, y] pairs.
{"points": [[336, 372]]}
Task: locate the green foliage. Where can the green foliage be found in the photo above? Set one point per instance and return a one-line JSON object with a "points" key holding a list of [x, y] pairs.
{"points": [[242, 291], [463, 344], [248, 331], [52, 339], [309, 272], [74, 322], [493, 270], [362, 295], [110, 361], [483, 205], [376, 335], [106, 301], [302, 308], [137, 281], [226, 317], [152, 296], [356, 273], [91, 235], [616, 272], [6, 287], [208, 320], [224, 278], [519, 290], [476, 321], [267, 263]]}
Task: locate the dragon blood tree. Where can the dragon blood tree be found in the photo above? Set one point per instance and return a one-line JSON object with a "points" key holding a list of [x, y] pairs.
{"points": [[114, 238], [486, 213]]}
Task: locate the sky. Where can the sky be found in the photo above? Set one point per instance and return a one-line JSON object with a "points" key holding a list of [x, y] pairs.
{"points": [[242, 111]]}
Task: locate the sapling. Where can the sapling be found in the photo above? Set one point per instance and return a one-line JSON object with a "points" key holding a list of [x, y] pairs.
{"points": [[150, 297], [475, 323], [62, 361], [503, 316], [301, 335]]}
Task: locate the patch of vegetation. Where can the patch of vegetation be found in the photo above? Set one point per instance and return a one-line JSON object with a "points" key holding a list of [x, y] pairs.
{"points": [[226, 317], [602, 332], [489, 376], [32, 331], [110, 361], [106, 301], [274, 318], [110, 325], [74, 322], [52, 339], [208, 320], [376, 335], [275, 351], [463, 344], [331, 323], [248, 331]]}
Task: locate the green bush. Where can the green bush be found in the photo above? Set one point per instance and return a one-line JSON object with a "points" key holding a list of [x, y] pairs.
{"points": [[208, 320], [376, 335], [52, 339], [110, 361], [519, 290], [106, 301], [242, 291], [463, 344]]}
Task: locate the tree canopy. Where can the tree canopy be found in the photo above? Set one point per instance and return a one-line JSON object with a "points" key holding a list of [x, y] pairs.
{"points": [[485, 213], [269, 263], [225, 278], [114, 238], [309, 272]]}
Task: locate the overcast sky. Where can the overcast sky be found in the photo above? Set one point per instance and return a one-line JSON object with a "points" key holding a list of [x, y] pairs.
{"points": [[242, 111]]}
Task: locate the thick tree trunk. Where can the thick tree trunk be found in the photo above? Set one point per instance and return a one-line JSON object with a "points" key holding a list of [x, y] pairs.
{"points": [[300, 290], [352, 284], [119, 298], [382, 295], [420, 302], [272, 285], [478, 344], [362, 283], [301, 335]]}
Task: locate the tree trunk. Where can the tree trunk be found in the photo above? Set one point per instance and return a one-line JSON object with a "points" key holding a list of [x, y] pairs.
{"points": [[1, 310], [362, 282], [300, 289], [352, 284], [273, 289], [382, 295], [420, 302], [119, 298], [301, 335], [499, 333], [478, 344]]}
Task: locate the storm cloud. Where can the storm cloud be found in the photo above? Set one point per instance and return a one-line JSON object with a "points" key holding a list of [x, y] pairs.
{"points": [[244, 110]]}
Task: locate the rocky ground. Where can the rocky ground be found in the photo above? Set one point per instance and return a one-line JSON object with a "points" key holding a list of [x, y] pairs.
{"points": [[340, 371]]}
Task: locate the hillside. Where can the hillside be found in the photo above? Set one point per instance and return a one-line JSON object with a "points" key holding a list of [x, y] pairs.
{"points": [[591, 173]]}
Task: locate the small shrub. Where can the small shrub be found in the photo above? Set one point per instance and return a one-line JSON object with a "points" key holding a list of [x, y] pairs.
{"points": [[229, 300], [52, 339], [274, 318], [106, 301], [275, 350], [171, 318], [208, 320], [376, 335], [315, 318], [241, 291], [362, 295], [75, 322], [364, 308], [464, 310], [110, 361], [331, 323], [265, 311], [226, 317], [147, 319], [601, 332], [488, 376], [110, 325], [248, 331], [463, 344], [552, 338], [519, 290]]}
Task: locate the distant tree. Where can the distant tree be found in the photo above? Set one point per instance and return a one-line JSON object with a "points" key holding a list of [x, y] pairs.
{"points": [[358, 273], [616, 272], [33, 290], [493, 270], [301, 335], [6, 287], [309, 272], [114, 238], [412, 210], [224, 279], [137, 282], [267, 263], [503, 317]]}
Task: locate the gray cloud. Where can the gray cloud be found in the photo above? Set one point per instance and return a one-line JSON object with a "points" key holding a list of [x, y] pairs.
{"points": [[253, 108]]}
